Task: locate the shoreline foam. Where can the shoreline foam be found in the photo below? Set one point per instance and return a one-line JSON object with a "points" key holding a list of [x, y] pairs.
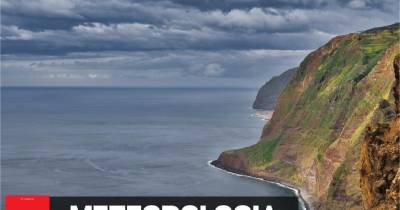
{"points": [[264, 115], [297, 191]]}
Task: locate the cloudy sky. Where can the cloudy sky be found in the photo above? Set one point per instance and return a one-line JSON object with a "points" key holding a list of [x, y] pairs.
{"points": [[171, 42]]}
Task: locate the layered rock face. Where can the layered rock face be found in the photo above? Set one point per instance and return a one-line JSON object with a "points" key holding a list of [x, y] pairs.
{"points": [[314, 138], [270, 91], [380, 153]]}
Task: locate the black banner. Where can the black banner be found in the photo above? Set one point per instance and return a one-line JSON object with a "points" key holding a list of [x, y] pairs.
{"points": [[174, 203]]}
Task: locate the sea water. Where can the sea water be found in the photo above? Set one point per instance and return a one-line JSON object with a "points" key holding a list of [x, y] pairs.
{"points": [[126, 141]]}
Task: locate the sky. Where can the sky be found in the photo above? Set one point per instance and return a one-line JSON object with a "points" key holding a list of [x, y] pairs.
{"points": [[171, 43]]}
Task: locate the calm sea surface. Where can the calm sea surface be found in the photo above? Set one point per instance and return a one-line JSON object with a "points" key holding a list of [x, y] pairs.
{"points": [[132, 142]]}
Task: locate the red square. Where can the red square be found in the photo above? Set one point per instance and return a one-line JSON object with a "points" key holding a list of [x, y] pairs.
{"points": [[27, 202]]}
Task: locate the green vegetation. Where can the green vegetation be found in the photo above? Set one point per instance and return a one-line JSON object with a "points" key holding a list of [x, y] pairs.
{"points": [[319, 157], [334, 98], [314, 137], [313, 140], [262, 153], [337, 177]]}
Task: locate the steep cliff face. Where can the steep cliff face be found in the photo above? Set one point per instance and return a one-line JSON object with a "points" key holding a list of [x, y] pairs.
{"points": [[270, 91], [380, 153], [313, 139]]}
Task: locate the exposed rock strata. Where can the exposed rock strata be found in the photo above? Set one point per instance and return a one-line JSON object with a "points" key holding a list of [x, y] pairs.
{"points": [[380, 153], [314, 138]]}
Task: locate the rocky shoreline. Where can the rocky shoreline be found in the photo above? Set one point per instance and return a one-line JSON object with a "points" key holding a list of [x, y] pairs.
{"points": [[265, 115], [300, 193]]}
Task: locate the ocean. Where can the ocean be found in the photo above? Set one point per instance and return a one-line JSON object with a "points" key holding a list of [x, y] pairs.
{"points": [[126, 141]]}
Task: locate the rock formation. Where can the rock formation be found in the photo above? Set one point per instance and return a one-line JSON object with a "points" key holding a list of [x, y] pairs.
{"points": [[316, 135]]}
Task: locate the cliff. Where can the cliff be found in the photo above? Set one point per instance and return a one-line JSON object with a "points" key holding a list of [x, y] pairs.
{"points": [[380, 153], [313, 140], [270, 91]]}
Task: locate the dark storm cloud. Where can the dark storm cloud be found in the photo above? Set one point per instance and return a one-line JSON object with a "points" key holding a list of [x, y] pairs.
{"points": [[309, 4], [41, 14], [34, 30], [143, 37], [161, 25]]}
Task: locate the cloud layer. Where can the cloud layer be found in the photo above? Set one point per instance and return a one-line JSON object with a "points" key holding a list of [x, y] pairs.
{"points": [[201, 39], [154, 68]]}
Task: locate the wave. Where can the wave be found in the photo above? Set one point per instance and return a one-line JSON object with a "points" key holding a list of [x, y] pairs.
{"points": [[296, 191]]}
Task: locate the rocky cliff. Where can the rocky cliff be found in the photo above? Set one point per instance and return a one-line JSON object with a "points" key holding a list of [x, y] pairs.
{"points": [[380, 153], [314, 138], [270, 91]]}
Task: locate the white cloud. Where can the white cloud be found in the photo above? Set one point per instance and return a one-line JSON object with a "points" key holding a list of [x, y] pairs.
{"points": [[263, 53], [165, 40], [64, 8], [178, 27], [15, 33], [357, 4], [116, 68], [259, 18], [214, 70]]}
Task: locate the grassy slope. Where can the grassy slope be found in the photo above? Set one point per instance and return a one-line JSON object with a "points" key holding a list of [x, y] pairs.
{"points": [[322, 113]]}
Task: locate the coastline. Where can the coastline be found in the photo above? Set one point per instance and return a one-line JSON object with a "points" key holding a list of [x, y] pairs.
{"points": [[264, 115], [305, 203]]}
